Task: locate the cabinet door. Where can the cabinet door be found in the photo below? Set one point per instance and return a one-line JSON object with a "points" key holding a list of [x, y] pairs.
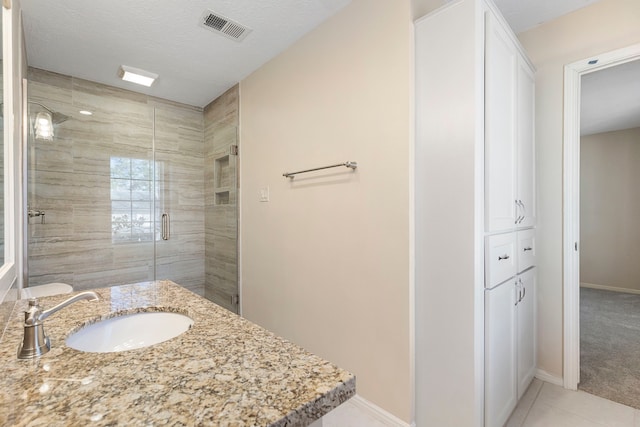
{"points": [[526, 330], [500, 148], [500, 354], [525, 147]]}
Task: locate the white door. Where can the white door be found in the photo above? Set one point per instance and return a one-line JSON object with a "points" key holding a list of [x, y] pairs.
{"points": [[500, 353], [526, 329], [500, 147], [525, 145]]}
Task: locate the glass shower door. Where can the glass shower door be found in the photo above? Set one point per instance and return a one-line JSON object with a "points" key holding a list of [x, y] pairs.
{"points": [[179, 214], [117, 196], [89, 186]]}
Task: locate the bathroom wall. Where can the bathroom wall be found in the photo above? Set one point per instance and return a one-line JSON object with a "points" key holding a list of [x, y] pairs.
{"points": [[221, 195], [326, 261], [72, 180], [609, 206], [1, 174], [601, 27], [422, 7]]}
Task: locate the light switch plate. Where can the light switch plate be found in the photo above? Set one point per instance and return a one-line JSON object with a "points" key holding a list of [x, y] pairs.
{"points": [[263, 194]]}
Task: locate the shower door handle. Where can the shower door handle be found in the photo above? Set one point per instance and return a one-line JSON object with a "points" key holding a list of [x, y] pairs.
{"points": [[166, 226]]}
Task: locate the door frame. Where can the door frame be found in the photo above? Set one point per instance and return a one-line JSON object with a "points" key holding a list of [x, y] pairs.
{"points": [[571, 190]]}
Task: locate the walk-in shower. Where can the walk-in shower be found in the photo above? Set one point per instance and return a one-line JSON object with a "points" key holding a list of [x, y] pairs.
{"points": [[141, 189], [101, 189]]}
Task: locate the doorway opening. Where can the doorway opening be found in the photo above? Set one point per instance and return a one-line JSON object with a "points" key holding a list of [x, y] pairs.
{"points": [[573, 74]]}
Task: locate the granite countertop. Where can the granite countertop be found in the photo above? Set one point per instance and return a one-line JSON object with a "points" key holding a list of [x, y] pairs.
{"points": [[224, 371]]}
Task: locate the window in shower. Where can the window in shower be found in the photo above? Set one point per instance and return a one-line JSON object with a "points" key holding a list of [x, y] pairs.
{"points": [[131, 200]]}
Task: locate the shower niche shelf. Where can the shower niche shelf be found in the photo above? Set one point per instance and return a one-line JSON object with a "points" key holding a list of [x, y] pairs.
{"points": [[222, 197], [222, 180]]}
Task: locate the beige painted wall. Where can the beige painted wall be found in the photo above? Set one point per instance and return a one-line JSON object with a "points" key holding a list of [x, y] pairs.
{"points": [[325, 263], [420, 8], [601, 27], [609, 206]]}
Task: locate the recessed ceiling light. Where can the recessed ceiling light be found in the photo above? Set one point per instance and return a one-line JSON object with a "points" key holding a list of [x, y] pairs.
{"points": [[136, 75], [85, 112]]}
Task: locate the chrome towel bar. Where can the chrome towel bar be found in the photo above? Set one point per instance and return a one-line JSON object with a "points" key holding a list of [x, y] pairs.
{"points": [[351, 165]]}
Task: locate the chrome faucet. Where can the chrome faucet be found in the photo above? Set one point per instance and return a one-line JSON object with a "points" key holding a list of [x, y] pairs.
{"points": [[35, 342]]}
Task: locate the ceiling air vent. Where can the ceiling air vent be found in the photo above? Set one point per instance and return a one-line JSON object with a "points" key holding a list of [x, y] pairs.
{"points": [[224, 26]]}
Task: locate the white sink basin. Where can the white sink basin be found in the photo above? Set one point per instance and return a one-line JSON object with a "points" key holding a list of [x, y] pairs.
{"points": [[129, 332]]}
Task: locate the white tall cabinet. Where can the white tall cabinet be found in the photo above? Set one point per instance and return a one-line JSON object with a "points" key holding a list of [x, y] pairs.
{"points": [[474, 217], [510, 275]]}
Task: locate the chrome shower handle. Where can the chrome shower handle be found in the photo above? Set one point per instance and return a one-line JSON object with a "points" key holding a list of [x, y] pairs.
{"points": [[166, 226]]}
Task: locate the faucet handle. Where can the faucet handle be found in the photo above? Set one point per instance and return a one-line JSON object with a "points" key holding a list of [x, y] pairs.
{"points": [[31, 315]]}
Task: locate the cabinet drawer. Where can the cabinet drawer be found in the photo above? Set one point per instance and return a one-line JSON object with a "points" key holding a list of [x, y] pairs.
{"points": [[500, 258], [526, 249]]}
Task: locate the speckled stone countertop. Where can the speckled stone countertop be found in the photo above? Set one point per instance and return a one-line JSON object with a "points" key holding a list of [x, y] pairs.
{"points": [[224, 371]]}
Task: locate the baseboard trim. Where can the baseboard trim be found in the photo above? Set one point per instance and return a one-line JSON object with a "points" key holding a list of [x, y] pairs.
{"points": [[374, 411], [547, 377], [609, 288]]}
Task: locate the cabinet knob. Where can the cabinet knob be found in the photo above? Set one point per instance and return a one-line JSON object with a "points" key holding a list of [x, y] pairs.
{"points": [[528, 248], [502, 257]]}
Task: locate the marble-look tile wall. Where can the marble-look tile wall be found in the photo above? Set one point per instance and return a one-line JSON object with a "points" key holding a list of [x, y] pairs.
{"points": [[221, 191], [71, 179]]}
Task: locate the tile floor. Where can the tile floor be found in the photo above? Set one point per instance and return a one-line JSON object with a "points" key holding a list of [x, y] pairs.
{"points": [[548, 405], [543, 405], [349, 415]]}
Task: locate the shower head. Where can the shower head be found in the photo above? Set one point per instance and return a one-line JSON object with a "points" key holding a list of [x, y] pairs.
{"points": [[57, 118], [45, 120]]}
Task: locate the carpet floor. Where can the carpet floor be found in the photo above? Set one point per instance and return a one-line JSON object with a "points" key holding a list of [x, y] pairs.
{"points": [[610, 345]]}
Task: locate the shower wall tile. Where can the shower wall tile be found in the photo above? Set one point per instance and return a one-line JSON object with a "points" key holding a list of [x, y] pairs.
{"points": [[50, 80], [104, 93], [58, 98], [70, 178], [56, 157], [97, 279], [221, 119], [224, 110]]}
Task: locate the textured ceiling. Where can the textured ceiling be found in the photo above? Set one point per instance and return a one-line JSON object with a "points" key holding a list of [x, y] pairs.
{"points": [[610, 99], [523, 15], [91, 39]]}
